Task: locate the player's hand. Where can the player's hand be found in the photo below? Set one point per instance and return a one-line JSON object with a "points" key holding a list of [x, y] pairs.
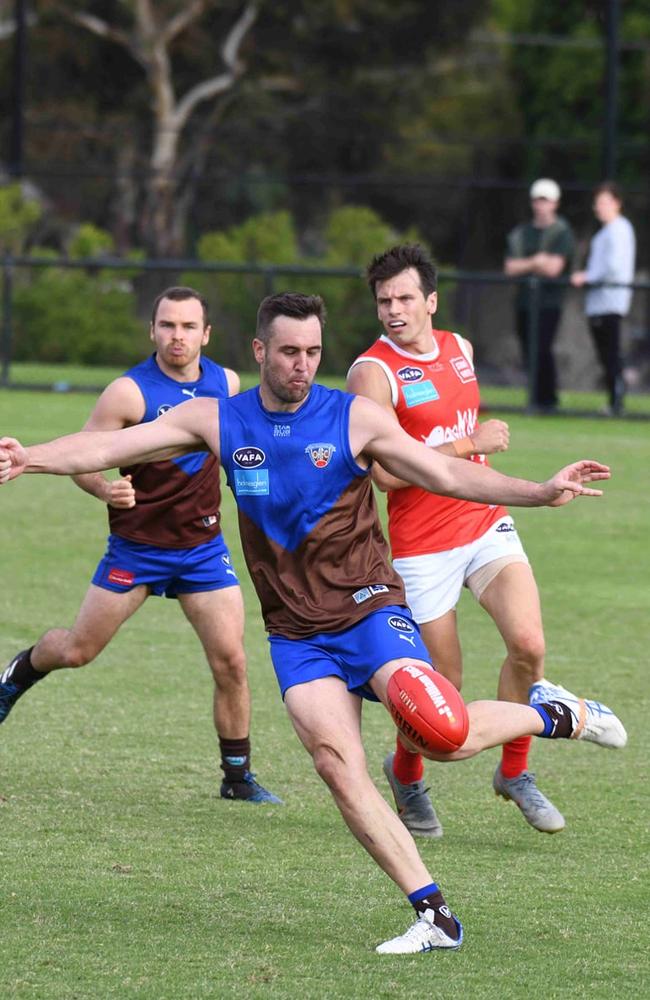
{"points": [[13, 459], [121, 493], [490, 437], [569, 483]]}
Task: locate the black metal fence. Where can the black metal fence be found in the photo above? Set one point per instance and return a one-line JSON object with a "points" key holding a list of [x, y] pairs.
{"points": [[478, 304]]}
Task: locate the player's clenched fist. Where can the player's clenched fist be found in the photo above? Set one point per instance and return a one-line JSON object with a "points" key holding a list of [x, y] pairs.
{"points": [[13, 459], [120, 493], [490, 437]]}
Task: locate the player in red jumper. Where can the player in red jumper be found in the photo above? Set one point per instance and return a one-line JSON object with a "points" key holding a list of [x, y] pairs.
{"points": [[425, 378]]}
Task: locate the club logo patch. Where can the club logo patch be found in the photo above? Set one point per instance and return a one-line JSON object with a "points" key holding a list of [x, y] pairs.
{"points": [[320, 454], [163, 409], [249, 457], [400, 624], [410, 373]]}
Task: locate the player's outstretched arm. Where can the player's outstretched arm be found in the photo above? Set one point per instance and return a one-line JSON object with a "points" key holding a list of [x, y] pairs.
{"points": [[374, 435], [180, 430]]}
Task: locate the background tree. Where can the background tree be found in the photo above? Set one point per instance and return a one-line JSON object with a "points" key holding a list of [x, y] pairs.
{"points": [[147, 31], [197, 113]]}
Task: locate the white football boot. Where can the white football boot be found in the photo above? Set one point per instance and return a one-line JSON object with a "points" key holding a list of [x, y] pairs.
{"points": [[592, 720], [423, 935]]}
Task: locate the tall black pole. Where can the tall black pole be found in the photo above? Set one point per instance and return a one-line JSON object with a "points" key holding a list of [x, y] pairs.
{"points": [[610, 135], [18, 97]]}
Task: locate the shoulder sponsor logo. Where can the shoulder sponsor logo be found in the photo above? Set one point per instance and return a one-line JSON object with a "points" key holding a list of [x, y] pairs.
{"points": [[463, 369], [320, 454], [249, 457], [419, 393], [163, 409], [505, 527], [367, 592], [410, 373]]}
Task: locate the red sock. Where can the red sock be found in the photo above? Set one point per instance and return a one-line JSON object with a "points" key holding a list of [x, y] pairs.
{"points": [[407, 766], [514, 756]]}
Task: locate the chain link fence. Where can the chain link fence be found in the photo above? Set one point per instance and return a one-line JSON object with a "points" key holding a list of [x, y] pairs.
{"points": [[71, 324]]}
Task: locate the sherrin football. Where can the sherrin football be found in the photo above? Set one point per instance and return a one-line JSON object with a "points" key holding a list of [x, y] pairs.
{"points": [[427, 709]]}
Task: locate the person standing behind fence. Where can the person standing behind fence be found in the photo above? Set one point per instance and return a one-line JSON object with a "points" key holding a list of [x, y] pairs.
{"points": [[542, 248], [611, 259]]}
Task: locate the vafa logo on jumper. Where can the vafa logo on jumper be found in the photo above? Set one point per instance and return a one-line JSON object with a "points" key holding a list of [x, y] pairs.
{"points": [[410, 373], [320, 454], [249, 457]]}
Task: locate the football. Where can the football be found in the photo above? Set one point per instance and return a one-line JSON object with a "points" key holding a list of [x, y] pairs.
{"points": [[427, 709]]}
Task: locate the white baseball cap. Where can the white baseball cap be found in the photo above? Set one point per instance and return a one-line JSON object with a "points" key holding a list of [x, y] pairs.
{"points": [[545, 188]]}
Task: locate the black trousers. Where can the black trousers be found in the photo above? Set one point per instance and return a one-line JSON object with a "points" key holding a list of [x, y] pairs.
{"points": [[545, 388], [606, 333]]}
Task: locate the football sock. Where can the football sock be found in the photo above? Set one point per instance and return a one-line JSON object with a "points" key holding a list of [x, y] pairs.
{"points": [[235, 758], [21, 672], [557, 719], [514, 756], [407, 766], [429, 897]]}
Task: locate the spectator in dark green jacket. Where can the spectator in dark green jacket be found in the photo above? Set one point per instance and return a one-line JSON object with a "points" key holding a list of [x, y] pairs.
{"points": [[541, 248]]}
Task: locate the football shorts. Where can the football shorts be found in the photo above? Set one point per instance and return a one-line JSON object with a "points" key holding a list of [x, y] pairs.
{"points": [[434, 582], [354, 654], [167, 572]]}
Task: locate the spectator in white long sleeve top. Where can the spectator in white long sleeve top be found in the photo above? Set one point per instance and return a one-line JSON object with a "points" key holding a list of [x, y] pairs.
{"points": [[611, 260]]}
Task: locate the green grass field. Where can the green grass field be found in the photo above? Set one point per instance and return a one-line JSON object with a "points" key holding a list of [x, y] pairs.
{"points": [[124, 875]]}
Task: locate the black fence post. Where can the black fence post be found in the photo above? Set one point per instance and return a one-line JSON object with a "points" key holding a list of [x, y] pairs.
{"points": [[7, 311], [269, 281], [532, 338]]}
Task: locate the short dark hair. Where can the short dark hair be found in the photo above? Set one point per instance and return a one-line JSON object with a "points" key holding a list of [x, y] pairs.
{"points": [[609, 187], [292, 304], [399, 258], [179, 293]]}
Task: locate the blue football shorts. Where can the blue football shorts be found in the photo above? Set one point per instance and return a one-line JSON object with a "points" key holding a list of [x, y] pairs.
{"points": [[354, 654], [167, 572]]}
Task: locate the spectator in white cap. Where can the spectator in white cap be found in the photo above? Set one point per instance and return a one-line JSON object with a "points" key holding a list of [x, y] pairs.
{"points": [[542, 248], [611, 259]]}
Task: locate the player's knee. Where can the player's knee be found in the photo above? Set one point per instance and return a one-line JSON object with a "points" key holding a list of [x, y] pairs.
{"points": [[230, 672], [526, 650], [77, 655], [335, 767]]}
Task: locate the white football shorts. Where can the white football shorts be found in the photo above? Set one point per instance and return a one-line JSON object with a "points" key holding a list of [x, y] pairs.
{"points": [[434, 582]]}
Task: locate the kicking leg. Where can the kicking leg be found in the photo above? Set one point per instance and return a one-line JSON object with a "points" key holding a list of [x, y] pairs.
{"points": [[554, 713]]}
